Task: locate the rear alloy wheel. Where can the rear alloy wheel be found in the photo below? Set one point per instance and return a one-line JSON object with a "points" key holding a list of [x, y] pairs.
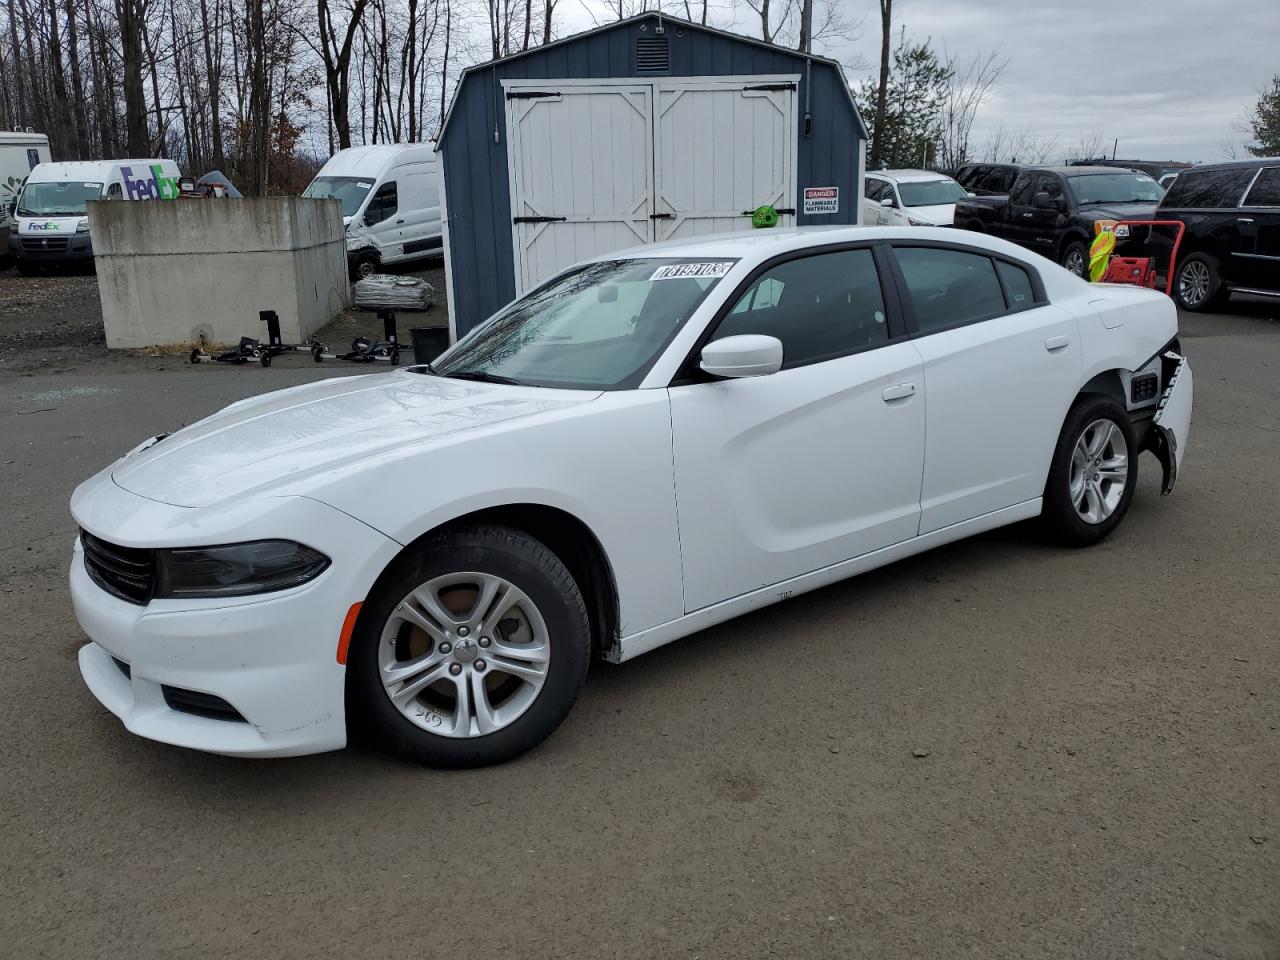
{"points": [[1075, 259], [1197, 285], [1093, 472], [472, 653]]}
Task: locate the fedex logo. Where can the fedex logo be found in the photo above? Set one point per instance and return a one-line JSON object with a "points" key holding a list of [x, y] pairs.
{"points": [[47, 225], [155, 187]]}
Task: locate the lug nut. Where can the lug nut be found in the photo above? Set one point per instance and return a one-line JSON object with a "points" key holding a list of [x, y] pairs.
{"points": [[463, 631], [484, 641], [446, 647], [455, 668], [480, 665]]}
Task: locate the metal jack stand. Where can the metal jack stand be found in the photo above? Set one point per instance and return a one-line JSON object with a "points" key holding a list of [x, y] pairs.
{"points": [[363, 350]]}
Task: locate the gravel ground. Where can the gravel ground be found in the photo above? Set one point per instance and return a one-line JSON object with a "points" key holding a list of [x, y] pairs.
{"points": [[997, 749]]}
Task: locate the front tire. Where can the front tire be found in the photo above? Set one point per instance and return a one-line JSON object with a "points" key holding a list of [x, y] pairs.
{"points": [[471, 651], [1198, 284], [1093, 472], [365, 265], [1075, 259]]}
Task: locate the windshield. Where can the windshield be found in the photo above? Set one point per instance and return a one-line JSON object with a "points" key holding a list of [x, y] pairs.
{"points": [[930, 193], [56, 199], [597, 327], [350, 191], [1115, 188]]}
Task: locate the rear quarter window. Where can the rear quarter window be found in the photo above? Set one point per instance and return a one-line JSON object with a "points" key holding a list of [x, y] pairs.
{"points": [[1208, 188], [1265, 191]]}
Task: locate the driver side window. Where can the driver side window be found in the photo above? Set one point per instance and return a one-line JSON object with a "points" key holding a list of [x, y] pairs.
{"points": [[382, 205], [820, 307], [1021, 192]]}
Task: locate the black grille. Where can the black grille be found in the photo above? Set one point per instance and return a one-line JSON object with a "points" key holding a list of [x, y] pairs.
{"points": [[123, 572], [200, 704], [44, 243], [652, 55], [123, 667]]}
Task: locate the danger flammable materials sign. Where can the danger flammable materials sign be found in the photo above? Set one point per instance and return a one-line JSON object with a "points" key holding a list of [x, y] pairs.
{"points": [[821, 199]]}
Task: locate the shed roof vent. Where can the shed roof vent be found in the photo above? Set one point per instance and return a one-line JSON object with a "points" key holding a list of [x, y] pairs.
{"points": [[652, 55]]}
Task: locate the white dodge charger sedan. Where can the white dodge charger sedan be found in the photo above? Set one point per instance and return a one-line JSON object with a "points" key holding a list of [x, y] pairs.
{"points": [[649, 443]]}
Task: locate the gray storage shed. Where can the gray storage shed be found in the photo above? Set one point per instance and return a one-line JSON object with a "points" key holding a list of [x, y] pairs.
{"points": [[648, 129]]}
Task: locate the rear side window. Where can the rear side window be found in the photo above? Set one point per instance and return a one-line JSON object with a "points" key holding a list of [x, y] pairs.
{"points": [[999, 179], [1265, 191], [820, 307], [949, 288], [1021, 192], [1017, 285], [875, 189], [1208, 188]]}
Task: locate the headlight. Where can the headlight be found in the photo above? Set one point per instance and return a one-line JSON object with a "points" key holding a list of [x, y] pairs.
{"points": [[919, 223], [236, 569], [82, 225]]}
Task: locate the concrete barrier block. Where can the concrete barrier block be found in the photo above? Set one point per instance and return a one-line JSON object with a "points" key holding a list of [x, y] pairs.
{"points": [[170, 273]]}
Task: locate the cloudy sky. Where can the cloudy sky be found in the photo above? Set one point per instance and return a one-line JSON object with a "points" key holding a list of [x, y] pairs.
{"points": [[1173, 79]]}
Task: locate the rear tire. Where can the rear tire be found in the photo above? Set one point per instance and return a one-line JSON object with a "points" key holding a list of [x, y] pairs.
{"points": [[491, 683], [1093, 473], [1197, 284]]}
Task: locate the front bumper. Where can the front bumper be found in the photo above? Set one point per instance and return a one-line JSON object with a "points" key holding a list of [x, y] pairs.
{"points": [[62, 248], [272, 658]]}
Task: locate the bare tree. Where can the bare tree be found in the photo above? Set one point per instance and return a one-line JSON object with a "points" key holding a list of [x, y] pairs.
{"points": [[972, 82], [337, 60], [886, 38]]}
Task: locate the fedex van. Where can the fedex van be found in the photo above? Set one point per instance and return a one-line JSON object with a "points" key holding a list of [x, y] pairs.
{"points": [[390, 195], [53, 224]]}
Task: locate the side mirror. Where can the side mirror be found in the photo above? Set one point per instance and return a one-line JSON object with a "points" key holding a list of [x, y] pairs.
{"points": [[746, 355], [1041, 201], [888, 202]]}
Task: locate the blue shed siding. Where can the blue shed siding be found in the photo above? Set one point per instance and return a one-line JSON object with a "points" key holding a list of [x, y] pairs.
{"points": [[480, 230]]}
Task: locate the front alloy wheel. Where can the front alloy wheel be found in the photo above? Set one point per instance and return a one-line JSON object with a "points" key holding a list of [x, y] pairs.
{"points": [[470, 650], [464, 655]]}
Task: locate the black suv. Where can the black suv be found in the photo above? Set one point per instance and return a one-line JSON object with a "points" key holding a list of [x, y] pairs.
{"points": [[988, 179], [1232, 238]]}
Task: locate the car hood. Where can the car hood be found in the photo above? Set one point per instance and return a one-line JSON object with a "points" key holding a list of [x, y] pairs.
{"points": [[938, 214], [292, 440], [1119, 211]]}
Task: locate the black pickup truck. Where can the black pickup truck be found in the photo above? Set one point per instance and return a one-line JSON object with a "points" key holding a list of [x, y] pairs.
{"points": [[1052, 210]]}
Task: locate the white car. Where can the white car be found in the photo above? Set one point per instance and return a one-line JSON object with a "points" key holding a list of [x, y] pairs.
{"points": [[648, 444], [916, 198]]}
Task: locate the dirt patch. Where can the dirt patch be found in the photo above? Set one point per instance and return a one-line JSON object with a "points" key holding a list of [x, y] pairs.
{"points": [[54, 320]]}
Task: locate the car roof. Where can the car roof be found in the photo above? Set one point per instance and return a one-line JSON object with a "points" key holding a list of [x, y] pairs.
{"points": [[765, 243], [1234, 164], [1084, 171], [908, 176]]}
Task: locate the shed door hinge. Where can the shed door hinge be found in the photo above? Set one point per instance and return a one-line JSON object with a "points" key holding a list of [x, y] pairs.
{"points": [[768, 86], [539, 219], [531, 94]]}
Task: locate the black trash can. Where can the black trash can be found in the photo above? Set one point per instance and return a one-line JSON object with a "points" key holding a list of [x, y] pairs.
{"points": [[429, 342]]}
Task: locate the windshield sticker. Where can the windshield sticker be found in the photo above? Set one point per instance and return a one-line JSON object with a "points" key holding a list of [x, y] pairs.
{"points": [[677, 271], [362, 185]]}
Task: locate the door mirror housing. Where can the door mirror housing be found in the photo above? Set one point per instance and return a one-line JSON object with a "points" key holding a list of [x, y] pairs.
{"points": [[745, 355], [888, 202], [1042, 201]]}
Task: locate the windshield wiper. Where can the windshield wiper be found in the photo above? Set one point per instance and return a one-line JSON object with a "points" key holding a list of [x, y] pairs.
{"points": [[480, 375]]}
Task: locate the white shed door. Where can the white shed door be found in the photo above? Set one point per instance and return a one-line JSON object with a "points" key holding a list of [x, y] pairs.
{"points": [[722, 148], [581, 172]]}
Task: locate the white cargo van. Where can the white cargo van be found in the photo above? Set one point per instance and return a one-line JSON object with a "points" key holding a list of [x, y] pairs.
{"points": [[390, 197], [20, 153], [53, 225]]}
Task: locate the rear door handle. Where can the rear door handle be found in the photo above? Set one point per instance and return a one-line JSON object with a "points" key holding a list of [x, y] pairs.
{"points": [[899, 391], [1057, 343]]}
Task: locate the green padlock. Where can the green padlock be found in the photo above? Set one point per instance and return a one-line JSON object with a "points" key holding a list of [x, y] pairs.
{"points": [[764, 216]]}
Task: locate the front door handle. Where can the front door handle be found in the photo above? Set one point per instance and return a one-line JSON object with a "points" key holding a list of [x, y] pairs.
{"points": [[1057, 343], [399, 221], [899, 391]]}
